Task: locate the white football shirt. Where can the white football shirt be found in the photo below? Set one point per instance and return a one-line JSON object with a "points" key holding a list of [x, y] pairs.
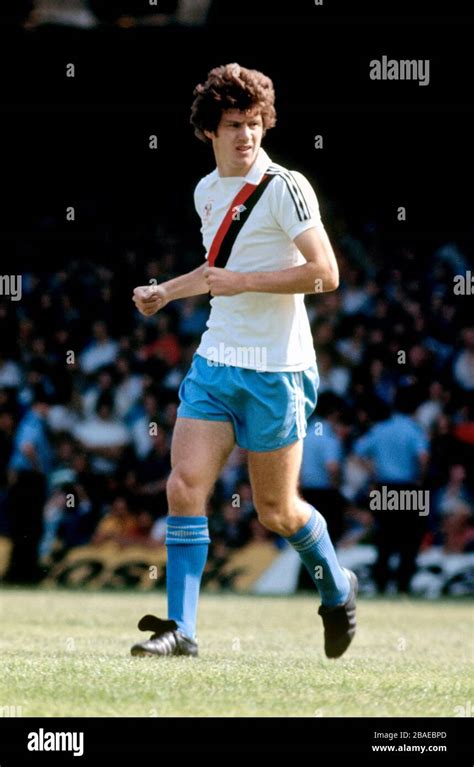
{"points": [[261, 331]]}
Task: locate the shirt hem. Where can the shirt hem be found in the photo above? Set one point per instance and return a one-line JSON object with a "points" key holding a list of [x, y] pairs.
{"points": [[296, 368]]}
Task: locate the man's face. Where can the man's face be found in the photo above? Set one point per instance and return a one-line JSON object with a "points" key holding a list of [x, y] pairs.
{"points": [[237, 140]]}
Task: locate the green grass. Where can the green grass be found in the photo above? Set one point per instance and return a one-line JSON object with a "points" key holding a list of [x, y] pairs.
{"points": [[66, 653]]}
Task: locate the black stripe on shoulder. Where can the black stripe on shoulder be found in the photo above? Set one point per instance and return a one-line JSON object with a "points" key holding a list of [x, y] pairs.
{"points": [[278, 172], [297, 195]]}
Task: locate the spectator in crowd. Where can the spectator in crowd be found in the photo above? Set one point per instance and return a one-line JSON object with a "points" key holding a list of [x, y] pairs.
{"points": [[355, 298], [375, 378], [30, 464], [102, 383], [323, 455], [7, 431], [432, 408], [454, 493], [67, 521], [419, 369], [150, 475], [99, 352], [444, 450], [463, 367], [193, 317], [352, 345], [103, 436], [118, 524], [457, 529], [129, 387], [161, 342], [333, 377], [397, 453], [463, 430], [64, 417], [10, 373], [142, 423]]}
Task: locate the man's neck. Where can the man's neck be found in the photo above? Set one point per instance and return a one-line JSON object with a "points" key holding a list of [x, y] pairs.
{"points": [[228, 171], [225, 171]]}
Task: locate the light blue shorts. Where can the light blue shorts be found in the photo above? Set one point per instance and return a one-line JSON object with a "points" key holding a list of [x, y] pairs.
{"points": [[267, 410]]}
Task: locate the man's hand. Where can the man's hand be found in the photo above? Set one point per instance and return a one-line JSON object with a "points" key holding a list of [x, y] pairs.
{"points": [[223, 282], [149, 299]]}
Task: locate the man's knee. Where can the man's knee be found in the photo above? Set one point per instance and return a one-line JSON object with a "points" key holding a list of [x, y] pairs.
{"points": [[282, 518], [184, 492]]}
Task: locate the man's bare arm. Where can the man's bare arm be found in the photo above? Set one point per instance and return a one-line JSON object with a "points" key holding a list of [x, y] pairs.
{"points": [[320, 274], [150, 298]]}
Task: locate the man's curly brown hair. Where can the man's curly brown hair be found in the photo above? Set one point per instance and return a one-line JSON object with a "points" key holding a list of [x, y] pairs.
{"points": [[231, 87]]}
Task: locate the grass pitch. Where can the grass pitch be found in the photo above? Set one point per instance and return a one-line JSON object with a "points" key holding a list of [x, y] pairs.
{"points": [[66, 653]]}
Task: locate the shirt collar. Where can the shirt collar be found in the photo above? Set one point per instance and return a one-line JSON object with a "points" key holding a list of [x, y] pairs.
{"points": [[255, 174]]}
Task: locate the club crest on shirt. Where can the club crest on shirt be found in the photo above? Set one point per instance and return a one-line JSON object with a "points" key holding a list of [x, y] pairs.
{"points": [[207, 211]]}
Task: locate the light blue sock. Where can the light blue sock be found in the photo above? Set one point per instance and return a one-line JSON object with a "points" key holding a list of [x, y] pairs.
{"points": [[187, 542], [314, 546]]}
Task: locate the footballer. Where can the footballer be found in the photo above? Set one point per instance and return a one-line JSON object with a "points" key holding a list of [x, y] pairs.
{"points": [[266, 247]]}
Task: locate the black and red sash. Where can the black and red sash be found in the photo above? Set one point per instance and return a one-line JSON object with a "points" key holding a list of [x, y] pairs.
{"points": [[234, 220]]}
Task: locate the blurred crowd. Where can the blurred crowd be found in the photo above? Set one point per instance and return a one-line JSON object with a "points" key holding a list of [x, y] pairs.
{"points": [[89, 392], [89, 387], [85, 14]]}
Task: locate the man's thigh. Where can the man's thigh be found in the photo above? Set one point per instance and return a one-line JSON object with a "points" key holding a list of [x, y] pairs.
{"points": [[199, 450], [274, 475]]}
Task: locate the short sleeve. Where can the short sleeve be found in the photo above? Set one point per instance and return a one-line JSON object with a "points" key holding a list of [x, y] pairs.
{"points": [[294, 203], [363, 446]]}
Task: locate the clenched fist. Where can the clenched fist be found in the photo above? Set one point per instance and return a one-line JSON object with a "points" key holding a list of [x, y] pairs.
{"points": [[149, 299], [223, 282]]}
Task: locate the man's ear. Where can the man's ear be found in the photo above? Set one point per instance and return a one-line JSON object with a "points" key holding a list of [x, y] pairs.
{"points": [[208, 134]]}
